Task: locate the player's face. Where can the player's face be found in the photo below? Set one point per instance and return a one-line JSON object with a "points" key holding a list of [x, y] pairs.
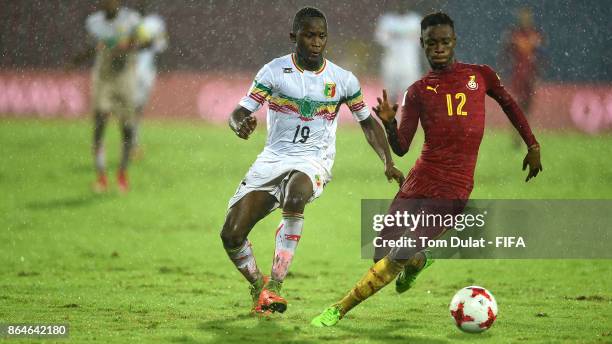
{"points": [[439, 41], [311, 40]]}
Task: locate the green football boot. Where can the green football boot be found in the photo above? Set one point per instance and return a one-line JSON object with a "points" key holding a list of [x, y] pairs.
{"points": [[330, 317], [406, 278]]}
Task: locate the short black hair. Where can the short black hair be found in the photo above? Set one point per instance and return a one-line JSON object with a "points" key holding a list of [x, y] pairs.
{"points": [[437, 18], [306, 13]]}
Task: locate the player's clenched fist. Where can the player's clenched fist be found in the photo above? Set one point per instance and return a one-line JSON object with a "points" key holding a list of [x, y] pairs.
{"points": [[245, 127]]}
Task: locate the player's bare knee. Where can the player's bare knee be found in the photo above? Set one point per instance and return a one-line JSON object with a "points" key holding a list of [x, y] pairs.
{"points": [[228, 239], [231, 235], [295, 202], [235, 229], [299, 191]]}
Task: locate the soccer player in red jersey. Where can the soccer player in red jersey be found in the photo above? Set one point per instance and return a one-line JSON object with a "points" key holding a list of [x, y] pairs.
{"points": [[521, 50], [522, 46], [450, 104]]}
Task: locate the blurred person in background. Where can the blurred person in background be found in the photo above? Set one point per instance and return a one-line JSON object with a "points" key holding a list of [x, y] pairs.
{"points": [[398, 33], [112, 41], [522, 54], [151, 30]]}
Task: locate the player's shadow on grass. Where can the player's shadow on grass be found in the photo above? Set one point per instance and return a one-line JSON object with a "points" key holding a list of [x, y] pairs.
{"points": [[68, 202], [266, 330], [386, 334], [229, 330]]}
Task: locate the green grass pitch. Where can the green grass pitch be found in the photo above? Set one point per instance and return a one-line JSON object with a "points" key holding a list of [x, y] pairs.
{"points": [[149, 266]]}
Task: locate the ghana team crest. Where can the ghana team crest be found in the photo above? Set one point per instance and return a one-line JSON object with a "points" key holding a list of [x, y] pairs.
{"points": [[330, 90], [472, 84]]}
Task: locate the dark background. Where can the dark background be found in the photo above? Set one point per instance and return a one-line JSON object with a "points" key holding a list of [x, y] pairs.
{"points": [[242, 35]]}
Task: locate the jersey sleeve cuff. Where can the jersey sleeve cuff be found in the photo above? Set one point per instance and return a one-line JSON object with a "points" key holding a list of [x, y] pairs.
{"points": [[362, 114], [249, 104]]}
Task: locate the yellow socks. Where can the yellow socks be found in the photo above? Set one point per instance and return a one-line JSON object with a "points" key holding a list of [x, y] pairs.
{"points": [[379, 275]]}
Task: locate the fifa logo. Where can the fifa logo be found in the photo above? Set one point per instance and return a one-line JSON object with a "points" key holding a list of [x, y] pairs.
{"points": [[472, 84]]}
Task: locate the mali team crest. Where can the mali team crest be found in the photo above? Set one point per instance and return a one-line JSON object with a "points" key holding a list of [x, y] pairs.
{"points": [[330, 89]]}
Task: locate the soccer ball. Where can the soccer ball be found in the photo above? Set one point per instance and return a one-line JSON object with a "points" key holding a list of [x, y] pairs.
{"points": [[473, 309]]}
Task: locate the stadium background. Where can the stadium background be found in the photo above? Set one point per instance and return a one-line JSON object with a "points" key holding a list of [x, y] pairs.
{"points": [[211, 61], [149, 266]]}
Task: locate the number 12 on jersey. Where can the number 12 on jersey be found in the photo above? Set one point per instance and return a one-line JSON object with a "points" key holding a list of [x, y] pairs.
{"points": [[449, 104], [304, 133]]}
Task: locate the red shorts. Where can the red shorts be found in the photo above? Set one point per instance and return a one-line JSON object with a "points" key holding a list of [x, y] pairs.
{"points": [[414, 203], [424, 181]]}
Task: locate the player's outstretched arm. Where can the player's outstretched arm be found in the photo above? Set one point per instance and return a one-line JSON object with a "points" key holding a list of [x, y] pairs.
{"points": [[514, 113], [399, 139], [242, 122], [376, 138]]}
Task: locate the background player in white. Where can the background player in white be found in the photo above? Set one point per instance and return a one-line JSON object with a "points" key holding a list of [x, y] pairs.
{"points": [[399, 34], [151, 30], [112, 34], [304, 92]]}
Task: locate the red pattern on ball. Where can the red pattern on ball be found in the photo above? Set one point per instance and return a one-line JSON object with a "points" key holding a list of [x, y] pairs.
{"points": [[490, 319], [480, 291], [460, 318]]}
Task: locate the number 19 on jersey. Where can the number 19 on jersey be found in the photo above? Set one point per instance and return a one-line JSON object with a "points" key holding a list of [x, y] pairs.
{"points": [[301, 134]]}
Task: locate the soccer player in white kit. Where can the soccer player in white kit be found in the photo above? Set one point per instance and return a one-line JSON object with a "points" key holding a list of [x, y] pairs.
{"points": [[399, 34], [304, 92], [151, 30], [113, 81]]}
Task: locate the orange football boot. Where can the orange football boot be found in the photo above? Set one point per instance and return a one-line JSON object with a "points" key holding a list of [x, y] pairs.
{"points": [[270, 298]]}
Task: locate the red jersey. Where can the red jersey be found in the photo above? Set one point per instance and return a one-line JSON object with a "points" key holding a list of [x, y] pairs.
{"points": [[522, 50], [450, 104]]}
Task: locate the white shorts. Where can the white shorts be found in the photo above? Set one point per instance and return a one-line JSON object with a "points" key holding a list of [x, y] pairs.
{"points": [[144, 86], [115, 95], [271, 175]]}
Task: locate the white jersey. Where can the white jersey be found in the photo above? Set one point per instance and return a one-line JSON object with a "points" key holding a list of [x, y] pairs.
{"points": [[399, 35], [109, 33], [154, 28], [303, 107]]}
